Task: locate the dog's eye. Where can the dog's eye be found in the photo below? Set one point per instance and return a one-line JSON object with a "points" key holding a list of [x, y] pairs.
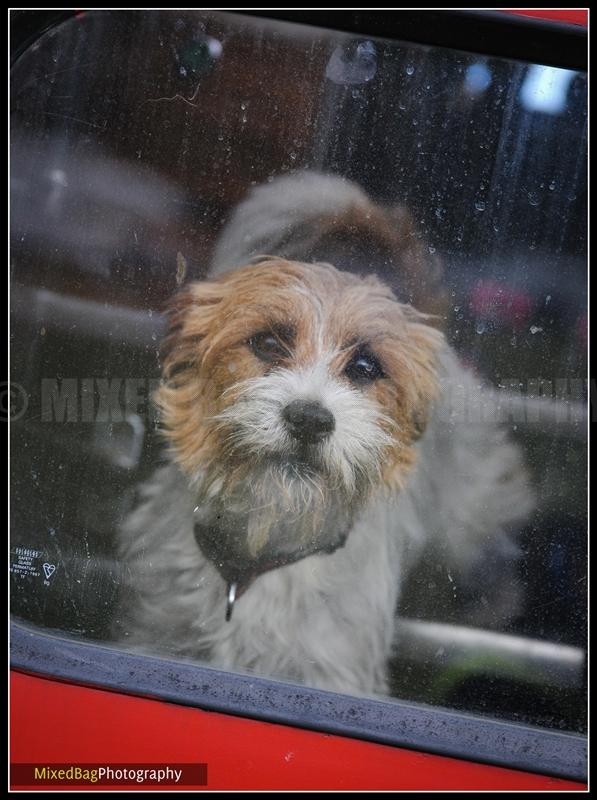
{"points": [[363, 367], [268, 347]]}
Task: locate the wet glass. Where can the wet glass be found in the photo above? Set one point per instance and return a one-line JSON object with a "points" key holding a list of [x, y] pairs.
{"points": [[135, 136]]}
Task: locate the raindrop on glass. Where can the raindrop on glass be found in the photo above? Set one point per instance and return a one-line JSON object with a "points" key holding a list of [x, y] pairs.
{"points": [[352, 65]]}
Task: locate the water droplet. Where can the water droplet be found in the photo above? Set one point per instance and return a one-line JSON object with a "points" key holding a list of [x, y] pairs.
{"points": [[480, 327], [480, 205], [349, 65], [410, 70], [535, 329], [243, 106], [431, 248], [533, 198], [552, 186]]}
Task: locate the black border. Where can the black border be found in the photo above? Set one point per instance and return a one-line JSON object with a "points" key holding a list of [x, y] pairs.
{"points": [[27, 26], [408, 725], [490, 33]]}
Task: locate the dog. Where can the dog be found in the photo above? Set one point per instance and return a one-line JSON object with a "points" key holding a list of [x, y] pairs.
{"points": [[315, 447], [310, 216]]}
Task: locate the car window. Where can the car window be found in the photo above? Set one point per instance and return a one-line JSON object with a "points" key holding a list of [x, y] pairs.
{"points": [[369, 476]]}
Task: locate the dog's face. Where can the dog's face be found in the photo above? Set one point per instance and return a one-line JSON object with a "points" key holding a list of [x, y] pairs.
{"points": [[291, 392]]}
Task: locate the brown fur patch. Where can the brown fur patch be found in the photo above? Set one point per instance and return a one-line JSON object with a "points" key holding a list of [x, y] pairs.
{"points": [[206, 354]]}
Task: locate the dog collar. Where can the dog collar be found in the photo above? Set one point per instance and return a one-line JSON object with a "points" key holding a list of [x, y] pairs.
{"points": [[237, 577]]}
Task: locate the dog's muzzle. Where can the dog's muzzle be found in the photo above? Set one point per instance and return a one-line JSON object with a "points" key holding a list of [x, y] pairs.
{"points": [[288, 506]]}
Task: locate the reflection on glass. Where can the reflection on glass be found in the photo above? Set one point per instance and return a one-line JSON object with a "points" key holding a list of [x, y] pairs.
{"points": [[546, 89], [478, 78], [205, 140]]}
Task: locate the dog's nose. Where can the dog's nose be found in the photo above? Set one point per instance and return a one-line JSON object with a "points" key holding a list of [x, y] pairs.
{"points": [[308, 421]]}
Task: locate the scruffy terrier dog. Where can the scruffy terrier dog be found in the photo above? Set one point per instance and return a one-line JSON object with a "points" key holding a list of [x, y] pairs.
{"points": [[314, 450]]}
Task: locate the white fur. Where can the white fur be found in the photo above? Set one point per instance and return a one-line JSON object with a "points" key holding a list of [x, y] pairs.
{"points": [[328, 620], [357, 442]]}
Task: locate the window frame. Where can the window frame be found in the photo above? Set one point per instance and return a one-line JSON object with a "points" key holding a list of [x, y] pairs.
{"points": [[402, 724], [423, 728], [488, 33]]}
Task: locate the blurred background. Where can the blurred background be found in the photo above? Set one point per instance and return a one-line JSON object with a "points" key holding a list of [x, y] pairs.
{"points": [[133, 137]]}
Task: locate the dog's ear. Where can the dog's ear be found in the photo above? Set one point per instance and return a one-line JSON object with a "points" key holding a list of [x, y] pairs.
{"points": [[422, 349], [192, 314], [186, 395]]}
